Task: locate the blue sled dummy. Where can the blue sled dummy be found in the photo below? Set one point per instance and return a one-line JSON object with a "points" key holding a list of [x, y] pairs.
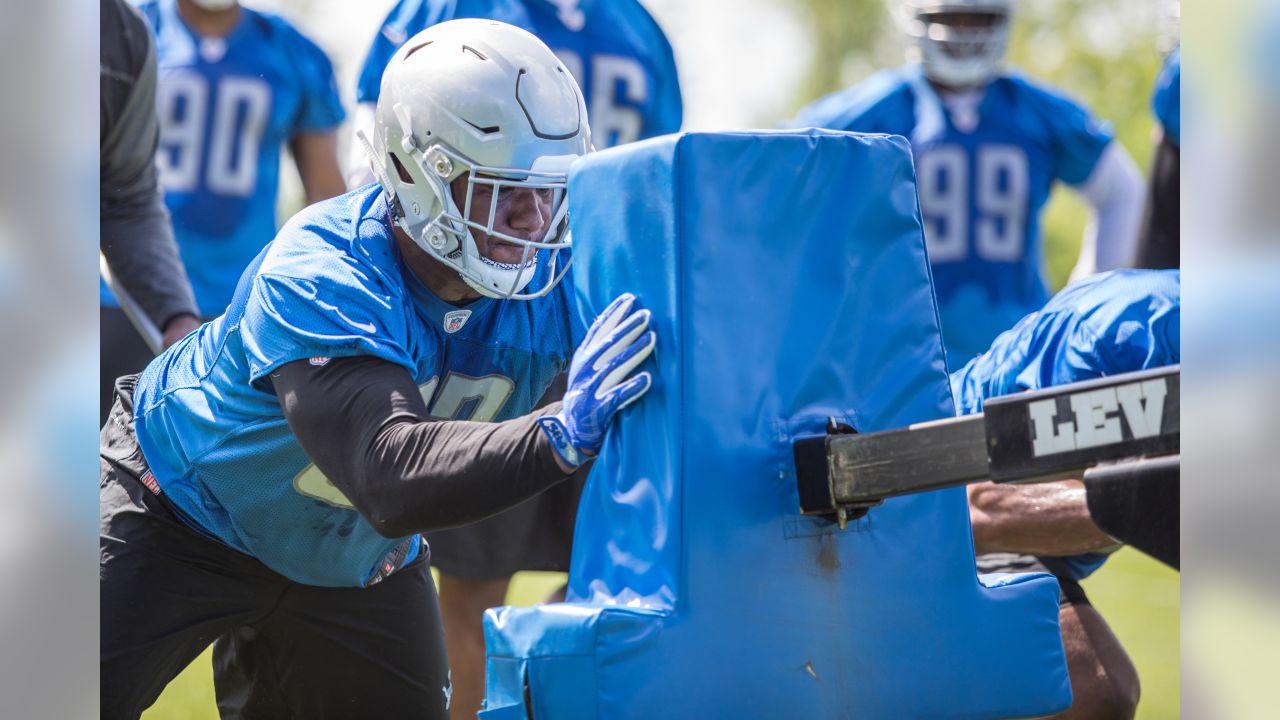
{"points": [[788, 281]]}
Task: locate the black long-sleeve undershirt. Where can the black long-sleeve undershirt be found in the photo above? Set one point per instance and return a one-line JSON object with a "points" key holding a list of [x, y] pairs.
{"points": [[365, 425]]}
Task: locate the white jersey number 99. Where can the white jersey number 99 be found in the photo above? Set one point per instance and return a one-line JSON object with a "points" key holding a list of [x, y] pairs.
{"points": [[993, 211]]}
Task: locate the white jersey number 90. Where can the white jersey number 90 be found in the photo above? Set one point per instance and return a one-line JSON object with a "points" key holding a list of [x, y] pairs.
{"points": [[234, 132]]}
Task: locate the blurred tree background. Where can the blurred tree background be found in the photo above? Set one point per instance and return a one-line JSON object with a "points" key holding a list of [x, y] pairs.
{"points": [[1105, 53]]}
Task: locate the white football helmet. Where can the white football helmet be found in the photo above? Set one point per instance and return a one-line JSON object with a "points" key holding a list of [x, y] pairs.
{"points": [[955, 55], [489, 101]]}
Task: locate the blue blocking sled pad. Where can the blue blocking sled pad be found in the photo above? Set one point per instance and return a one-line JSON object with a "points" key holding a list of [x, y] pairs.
{"points": [[788, 280]]}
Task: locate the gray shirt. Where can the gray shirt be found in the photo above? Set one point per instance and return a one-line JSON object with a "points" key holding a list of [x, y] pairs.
{"points": [[136, 236]]}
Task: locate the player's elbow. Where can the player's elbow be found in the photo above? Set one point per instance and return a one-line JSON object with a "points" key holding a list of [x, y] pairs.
{"points": [[395, 518], [390, 528], [382, 507], [385, 511], [394, 511], [388, 521]]}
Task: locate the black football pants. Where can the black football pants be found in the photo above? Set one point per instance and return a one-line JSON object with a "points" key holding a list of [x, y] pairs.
{"points": [[282, 650]]}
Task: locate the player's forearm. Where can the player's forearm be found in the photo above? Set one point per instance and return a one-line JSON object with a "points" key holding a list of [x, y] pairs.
{"points": [[423, 476], [139, 246], [364, 424], [1044, 519]]}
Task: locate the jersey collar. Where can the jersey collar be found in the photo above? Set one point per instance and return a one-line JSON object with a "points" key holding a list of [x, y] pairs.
{"points": [[931, 113], [444, 317], [570, 13]]}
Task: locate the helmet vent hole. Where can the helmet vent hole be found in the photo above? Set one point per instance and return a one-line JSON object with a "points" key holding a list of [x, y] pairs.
{"points": [[473, 51], [416, 49], [487, 130], [401, 171]]}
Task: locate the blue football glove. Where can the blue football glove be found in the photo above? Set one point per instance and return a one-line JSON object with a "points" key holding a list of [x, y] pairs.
{"points": [[600, 382]]}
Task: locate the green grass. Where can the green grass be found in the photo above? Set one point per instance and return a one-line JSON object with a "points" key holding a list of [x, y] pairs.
{"points": [[189, 696], [1137, 596]]}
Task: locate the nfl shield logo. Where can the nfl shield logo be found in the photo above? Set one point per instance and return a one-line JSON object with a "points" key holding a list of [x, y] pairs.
{"points": [[455, 319]]}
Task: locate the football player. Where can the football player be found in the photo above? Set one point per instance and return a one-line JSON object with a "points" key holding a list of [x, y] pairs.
{"points": [[626, 70], [988, 146], [615, 50], [1110, 323], [265, 480], [235, 86]]}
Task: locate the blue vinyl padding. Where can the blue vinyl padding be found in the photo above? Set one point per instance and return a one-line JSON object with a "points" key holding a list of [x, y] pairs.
{"points": [[788, 281]]}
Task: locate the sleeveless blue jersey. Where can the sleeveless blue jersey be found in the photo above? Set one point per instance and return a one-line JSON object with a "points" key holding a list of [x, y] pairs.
{"points": [[226, 106], [615, 50], [1110, 323], [1166, 101], [332, 284], [981, 190]]}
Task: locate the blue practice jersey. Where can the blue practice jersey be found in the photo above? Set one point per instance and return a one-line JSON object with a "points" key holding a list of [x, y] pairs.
{"points": [[332, 284], [1166, 101], [982, 185], [226, 106], [615, 50], [1108, 324]]}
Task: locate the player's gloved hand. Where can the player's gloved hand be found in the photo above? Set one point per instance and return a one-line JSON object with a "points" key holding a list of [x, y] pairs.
{"points": [[600, 381]]}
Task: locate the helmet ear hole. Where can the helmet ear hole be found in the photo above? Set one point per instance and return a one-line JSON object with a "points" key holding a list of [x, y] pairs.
{"points": [[400, 170]]}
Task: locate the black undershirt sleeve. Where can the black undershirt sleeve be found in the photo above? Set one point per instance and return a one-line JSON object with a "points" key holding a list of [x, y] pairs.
{"points": [[364, 424], [1159, 235]]}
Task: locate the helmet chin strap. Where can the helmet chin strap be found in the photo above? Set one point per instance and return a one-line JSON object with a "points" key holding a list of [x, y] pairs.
{"points": [[380, 172]]}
